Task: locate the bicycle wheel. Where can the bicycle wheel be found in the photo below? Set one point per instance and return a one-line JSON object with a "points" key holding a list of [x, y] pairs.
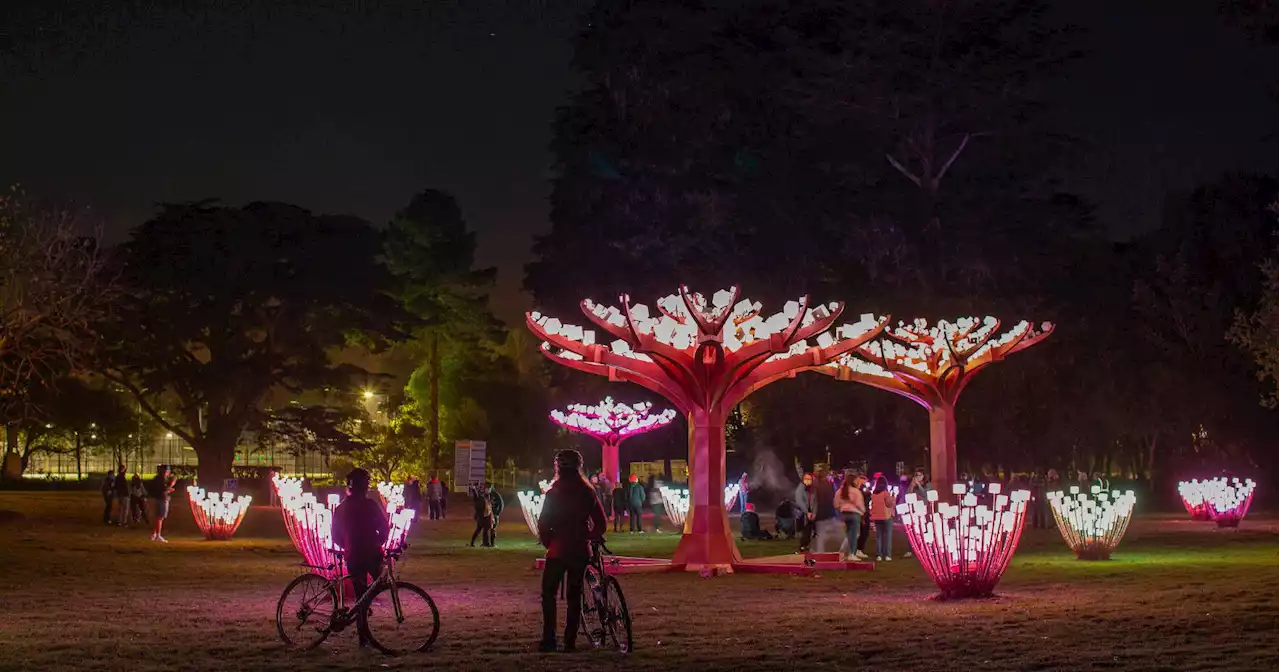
{"points": [[305, 610], [403, 619], [590, 624], [617, 619]]}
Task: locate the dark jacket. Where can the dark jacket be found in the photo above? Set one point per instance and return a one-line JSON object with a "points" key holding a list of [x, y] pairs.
{"points": [[571, 517], [121, 486], [824, 494], [108, 484], [413, 495], [750, 525], [360, 527], [619, 499], [495, 501], [635, 494], [435, 490]]}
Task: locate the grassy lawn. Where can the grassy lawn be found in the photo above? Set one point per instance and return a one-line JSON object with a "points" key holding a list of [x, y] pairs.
{"points": [[1178, 596]]}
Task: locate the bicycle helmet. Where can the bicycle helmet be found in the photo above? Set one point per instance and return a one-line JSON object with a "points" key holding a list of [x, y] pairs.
{"points": [[358, 480]]}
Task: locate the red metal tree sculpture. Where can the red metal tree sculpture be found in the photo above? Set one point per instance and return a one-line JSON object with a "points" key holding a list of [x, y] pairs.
{"points": [[931, 365], [704, 357], [611, 423]]}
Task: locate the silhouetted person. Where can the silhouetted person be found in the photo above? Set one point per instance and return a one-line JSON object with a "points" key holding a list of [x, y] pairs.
{"points": [[360, 527], [571, 518]]}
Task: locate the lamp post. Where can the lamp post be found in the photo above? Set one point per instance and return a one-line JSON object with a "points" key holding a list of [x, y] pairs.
{"points": [[704, 355]]}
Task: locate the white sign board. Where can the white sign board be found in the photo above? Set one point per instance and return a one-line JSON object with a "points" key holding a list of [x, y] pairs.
{"points": [[468, 464]]}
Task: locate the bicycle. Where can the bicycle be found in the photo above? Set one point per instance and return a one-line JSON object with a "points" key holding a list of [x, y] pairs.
{"points": [[603, 606], [397, 611]]}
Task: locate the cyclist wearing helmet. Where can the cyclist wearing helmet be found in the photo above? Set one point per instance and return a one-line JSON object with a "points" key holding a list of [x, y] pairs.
{"points": [[571, 518], [360, 528]]}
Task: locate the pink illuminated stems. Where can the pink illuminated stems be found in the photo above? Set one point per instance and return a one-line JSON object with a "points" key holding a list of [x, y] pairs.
{"points": [[217, 514], [1092, 524], [1225, 499], [531, 505], [676, 502], [310, 523], [965, 548], [931, 365], [611, 423], [704, 357]]}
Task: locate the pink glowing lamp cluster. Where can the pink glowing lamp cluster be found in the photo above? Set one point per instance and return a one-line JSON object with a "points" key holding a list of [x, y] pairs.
{"points": [[217, 514], [965, 548], [676, 501], [612, 421], [531, 505], [1092, 523], [1223, 500], [310, 523]]}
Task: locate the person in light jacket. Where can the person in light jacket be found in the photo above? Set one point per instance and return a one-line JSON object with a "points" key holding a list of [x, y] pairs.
{"points": [[806, 510], [635, 505], [882, 504], [852, 507]]}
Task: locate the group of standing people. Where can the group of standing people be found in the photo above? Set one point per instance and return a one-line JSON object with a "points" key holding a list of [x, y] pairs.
{"points": [[130, 496], [837, 516], [488, 505], [629, 501], [434, 493]]}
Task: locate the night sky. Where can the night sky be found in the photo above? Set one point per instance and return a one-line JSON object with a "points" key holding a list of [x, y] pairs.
{"points": [[118, 105]]}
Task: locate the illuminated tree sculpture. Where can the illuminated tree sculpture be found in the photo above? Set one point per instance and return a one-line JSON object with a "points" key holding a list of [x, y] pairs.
{"points": [[965, 547], [611, 423], [1092, 524], [931, 365], [704, 356], [217, 514]]}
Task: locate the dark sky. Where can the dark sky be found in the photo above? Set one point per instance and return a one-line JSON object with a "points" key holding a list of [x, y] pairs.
{"points": [[118, 105]]}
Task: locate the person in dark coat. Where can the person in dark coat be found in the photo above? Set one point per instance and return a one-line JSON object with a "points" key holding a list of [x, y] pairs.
{"points": [[496, 505], [108, 495], [572, 518], [413, 496], [635, 505], [619, 506], [435, 499], [751, 529], [806, 510], [120, 490], [483, 508], [784, 519], [360, 527]]}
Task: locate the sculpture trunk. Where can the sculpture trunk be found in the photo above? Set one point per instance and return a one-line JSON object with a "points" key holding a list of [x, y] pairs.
{"points": [[609, 460], [942, 448], [707, 541]]}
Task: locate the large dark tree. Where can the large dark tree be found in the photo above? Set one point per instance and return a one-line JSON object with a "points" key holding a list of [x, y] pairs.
{"points": [[431, 253], [224, 304]]}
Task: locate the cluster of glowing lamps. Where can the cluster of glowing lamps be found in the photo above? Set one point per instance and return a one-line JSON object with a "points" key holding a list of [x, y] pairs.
{"points": [[1223, 500], [310, 522], [217, 514], [676, 501], [611, 422], [531, 505], [1092, 523], [965, 547], [707, 354]]}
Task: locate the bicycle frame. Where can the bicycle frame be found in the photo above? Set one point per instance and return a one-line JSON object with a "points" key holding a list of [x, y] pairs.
{"points": [[386, 578]]}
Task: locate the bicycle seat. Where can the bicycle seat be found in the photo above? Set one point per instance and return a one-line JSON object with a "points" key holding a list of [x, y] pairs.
{"points": [[337, 553]]}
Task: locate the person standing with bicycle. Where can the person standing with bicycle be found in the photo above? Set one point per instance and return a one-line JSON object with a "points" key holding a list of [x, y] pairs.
{"points": [[571, 518], [360, 528]]}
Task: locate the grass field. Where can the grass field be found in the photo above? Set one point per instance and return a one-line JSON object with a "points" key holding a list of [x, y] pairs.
{"points": [[77, 595]]}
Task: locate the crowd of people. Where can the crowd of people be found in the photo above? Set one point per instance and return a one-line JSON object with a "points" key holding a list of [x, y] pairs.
{"points": [[127, 501]]}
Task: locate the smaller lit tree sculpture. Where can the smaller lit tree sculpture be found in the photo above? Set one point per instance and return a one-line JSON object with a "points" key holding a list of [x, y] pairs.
{"points": [[704, 355], [218, 515], [676, 501], [965, 548], [310, 523], [531, 505], [1092, 524], [931, 365], [611, 423], [1192, 493], [1228, 499]]}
